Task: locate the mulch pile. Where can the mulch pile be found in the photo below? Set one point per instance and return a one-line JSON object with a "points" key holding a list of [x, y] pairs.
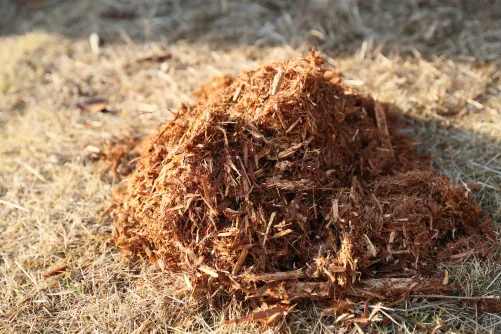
{"points": [[283, 185]]}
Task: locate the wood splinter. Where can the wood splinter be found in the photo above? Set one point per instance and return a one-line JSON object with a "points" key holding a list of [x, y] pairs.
{"points": [[384, 134], [277, 82]]}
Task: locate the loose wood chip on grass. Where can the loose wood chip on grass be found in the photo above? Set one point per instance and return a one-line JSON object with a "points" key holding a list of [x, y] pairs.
{"points": [[283, 185]]}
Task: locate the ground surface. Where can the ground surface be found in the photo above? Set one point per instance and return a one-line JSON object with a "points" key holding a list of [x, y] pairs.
{"points": [[435, 61]]}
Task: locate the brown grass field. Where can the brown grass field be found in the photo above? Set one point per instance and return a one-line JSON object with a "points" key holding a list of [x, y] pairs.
{"points": [[435, 61]]}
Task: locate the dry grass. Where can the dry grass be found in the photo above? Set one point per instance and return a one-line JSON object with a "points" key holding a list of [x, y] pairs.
{"points": [[438, 64]]}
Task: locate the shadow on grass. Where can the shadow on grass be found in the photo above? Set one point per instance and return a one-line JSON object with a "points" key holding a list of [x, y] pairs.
{"points": [[455, 28]]}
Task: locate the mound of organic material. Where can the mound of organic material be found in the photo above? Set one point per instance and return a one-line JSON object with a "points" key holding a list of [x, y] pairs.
{"points": [[283, 185]]}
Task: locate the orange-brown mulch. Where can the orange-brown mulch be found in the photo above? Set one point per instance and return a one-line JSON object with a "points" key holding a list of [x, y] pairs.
{"points": [[283, 185]]}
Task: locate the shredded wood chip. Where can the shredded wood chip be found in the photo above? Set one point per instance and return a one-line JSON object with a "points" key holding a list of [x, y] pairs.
{"points": [[55, 271]]}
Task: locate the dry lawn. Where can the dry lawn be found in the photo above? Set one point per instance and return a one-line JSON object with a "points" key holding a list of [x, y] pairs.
{"points": [[436, 61]]}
